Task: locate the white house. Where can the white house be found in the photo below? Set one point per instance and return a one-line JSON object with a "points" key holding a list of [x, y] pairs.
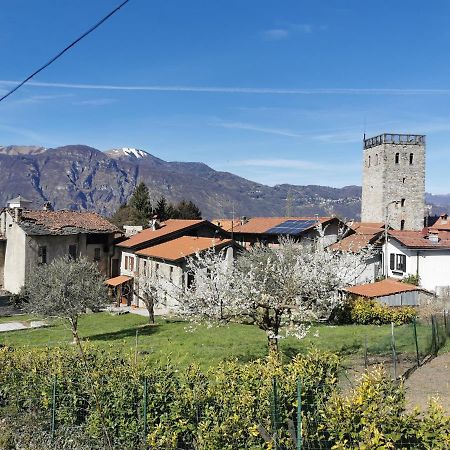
{"points": [[420, 253]]}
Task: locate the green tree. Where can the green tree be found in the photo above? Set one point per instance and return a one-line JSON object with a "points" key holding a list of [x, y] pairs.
{"points": [[123, 216], [162, 209], [187, 210], [141, 205], [65, 288]]}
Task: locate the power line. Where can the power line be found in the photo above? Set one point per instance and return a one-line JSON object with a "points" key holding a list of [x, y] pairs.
{"points": [[94, 27]]}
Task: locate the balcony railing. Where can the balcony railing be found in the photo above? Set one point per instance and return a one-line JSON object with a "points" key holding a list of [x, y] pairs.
{"points": [[391, 138]]}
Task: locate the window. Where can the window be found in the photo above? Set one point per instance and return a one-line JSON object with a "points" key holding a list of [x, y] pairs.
{"points": [[402, 202], [402, 224], [397, 158], [171, 273], [368, 162], [156, 269], [404, 179], [131, 264], [392, 261], [145, 268], [401, 263], [189, 279], [411, 158], [73, 251], [126, 262], [376, 159], [97, 252], [42, 254]]}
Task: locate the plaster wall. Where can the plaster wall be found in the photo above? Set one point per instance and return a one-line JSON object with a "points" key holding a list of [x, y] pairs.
{"points": [[432, 266]]}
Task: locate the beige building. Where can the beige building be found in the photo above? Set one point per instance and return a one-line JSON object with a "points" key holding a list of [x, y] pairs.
{"points": [[394, 181], [32, 238]]}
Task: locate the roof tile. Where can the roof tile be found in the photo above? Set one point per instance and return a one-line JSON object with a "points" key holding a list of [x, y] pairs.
{"points": [[182, 247]]}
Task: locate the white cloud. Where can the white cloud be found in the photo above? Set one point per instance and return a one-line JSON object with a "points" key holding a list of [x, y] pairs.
{"points": [[258, 128], [292, 164], [237, 89], [96, 102], [275, 34]]}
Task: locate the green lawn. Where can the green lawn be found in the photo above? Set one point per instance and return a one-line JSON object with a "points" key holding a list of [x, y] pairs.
{"points": [[208, 346]]}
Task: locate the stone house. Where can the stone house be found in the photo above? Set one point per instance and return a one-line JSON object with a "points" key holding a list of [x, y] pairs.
{"points": [[157, 234], [268, 230], [165, 264], [31, 238]]}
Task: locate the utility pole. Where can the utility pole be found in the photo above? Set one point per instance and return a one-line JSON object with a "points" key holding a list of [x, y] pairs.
{"points": [[386, 226]]}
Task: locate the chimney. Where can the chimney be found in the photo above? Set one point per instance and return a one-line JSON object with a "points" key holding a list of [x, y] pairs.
{"points": [[433, 237], [47, 207], [18, 214], [243, 220], [154, 223]]}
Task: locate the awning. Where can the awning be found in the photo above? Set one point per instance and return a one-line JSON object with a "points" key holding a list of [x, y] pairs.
{"points": [[116, 281]]}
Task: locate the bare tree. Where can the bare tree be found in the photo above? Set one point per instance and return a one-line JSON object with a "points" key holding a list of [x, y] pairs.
{"points": [[149, 290], [65, 288]]}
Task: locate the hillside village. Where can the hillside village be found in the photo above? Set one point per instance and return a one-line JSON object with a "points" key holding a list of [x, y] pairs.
{"points": [[392, 207], [238, 260]]}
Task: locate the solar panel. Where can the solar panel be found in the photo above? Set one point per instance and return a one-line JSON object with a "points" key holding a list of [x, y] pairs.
{"points": [[292, 227]]}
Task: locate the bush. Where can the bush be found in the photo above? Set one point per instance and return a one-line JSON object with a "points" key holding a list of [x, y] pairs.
{"points": [[373, 416], [364, 311]]}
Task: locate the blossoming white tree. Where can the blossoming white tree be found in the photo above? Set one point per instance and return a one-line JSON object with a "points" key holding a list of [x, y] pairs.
{"points": [[280, 289]]}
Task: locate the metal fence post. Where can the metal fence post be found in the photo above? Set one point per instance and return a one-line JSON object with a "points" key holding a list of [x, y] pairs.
{"points": [[275, 413], [299, 415], [145, 411], [394, 352], [53, 423], [416, 342]]}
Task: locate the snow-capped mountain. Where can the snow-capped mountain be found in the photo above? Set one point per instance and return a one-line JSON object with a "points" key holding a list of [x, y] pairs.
{"points": [[127, 151]]}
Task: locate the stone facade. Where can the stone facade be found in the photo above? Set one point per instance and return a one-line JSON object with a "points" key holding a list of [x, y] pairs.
{"points": [[394, 171]]}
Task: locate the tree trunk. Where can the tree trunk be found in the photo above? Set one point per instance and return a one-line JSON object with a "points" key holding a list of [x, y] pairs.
{"points": [[273, 345], [150, 308], [74, 327]]}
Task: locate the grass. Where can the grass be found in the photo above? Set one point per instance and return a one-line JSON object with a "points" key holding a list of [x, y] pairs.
{"points": [[208, 346]]}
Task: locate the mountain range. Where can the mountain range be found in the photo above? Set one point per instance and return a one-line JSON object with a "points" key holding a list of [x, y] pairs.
{"points": [[79, 177]]}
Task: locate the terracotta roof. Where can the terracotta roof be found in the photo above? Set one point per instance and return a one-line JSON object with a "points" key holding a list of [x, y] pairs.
{"points": [[382, 288], [259, 225], [64, 222], [419, 239], [366, 227], [167, 227], [355, 242], [116, 281], [226, 224], [443, 223], [182, 247]]}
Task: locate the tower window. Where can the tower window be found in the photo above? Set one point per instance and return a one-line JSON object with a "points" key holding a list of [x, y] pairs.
{"points": [[368, 162], [403, 181], [402, 203], [397, 158], [376, 159], [411, 158], [402, 224]]}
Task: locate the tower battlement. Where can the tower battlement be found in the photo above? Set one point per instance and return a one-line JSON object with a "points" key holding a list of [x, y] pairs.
{"points": [[395, 138]]}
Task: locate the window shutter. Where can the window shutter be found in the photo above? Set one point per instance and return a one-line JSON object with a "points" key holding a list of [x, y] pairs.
{"points": [[392, 265]]}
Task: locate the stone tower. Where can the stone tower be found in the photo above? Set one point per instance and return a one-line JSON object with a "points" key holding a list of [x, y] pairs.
{"points": [[394, 180]]}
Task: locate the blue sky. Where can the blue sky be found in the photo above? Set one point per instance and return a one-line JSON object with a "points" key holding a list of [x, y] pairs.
{"points": [[278, 92]]}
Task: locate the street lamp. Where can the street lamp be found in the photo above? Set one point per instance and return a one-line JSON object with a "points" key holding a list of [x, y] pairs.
{"points": [[386, 225]]}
